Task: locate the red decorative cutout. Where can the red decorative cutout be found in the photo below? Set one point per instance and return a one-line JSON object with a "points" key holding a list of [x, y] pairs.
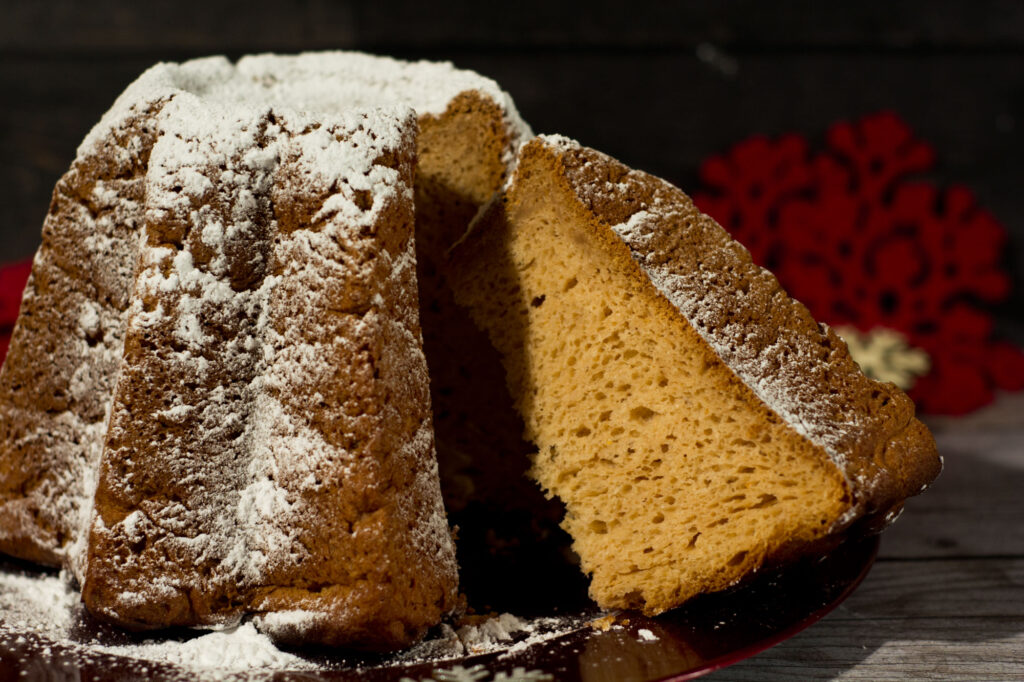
{"points": [[12, 284], [860, 245]]}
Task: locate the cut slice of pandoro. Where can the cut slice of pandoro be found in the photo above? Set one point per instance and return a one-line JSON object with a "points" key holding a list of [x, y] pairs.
{"points": [[695, 420]]}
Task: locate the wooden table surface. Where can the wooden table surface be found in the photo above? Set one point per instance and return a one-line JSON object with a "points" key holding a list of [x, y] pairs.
{"points": [[660, 86], [945, 599]]}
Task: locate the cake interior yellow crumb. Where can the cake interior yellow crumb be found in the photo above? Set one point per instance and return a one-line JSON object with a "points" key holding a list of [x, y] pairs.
{"points": [[676, 478]]}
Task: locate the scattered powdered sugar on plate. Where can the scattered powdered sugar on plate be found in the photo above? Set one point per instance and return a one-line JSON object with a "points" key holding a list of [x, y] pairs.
{"points": [[41, 615], [47, 607], [504, 634], [499, 630], [238, 648], [43, 603]]}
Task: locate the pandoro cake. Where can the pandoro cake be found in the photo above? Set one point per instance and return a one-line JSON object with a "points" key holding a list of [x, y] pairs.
{"points": [[469, 131], [216, 401], [695, 420]]}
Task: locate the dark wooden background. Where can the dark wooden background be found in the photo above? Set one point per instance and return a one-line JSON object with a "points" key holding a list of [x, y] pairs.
{"points": [[660, 85]]}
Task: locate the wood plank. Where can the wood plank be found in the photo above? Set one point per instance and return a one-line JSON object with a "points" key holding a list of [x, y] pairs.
{"points": [[735, 24], [1007, 412], [829, 652], [112, 26], [983, 589], [975, 508], [115, 25], [920, 620]]}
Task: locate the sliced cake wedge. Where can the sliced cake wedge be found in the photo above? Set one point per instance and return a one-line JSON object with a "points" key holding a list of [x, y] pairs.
{"points": [[694, 419]]}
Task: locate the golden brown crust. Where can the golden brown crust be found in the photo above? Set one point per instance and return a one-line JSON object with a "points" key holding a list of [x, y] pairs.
{"points": [[89, 244]]}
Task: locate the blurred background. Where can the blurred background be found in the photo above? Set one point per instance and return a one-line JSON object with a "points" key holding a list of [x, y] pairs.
{"points": [[843, 142]]}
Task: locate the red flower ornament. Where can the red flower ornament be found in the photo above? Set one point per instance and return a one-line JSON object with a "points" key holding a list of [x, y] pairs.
{"points": [[12, 284], [880, 150], [871, 252]]}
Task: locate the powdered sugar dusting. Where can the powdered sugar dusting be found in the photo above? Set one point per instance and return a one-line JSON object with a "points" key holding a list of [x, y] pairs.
{"points": [[44, 614], [40, 603], [46, 607], [323, 82], [265, 276], [89, 319], [238, 648], [77, 303], [368, 81], [646, 635], [504, 634]]}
